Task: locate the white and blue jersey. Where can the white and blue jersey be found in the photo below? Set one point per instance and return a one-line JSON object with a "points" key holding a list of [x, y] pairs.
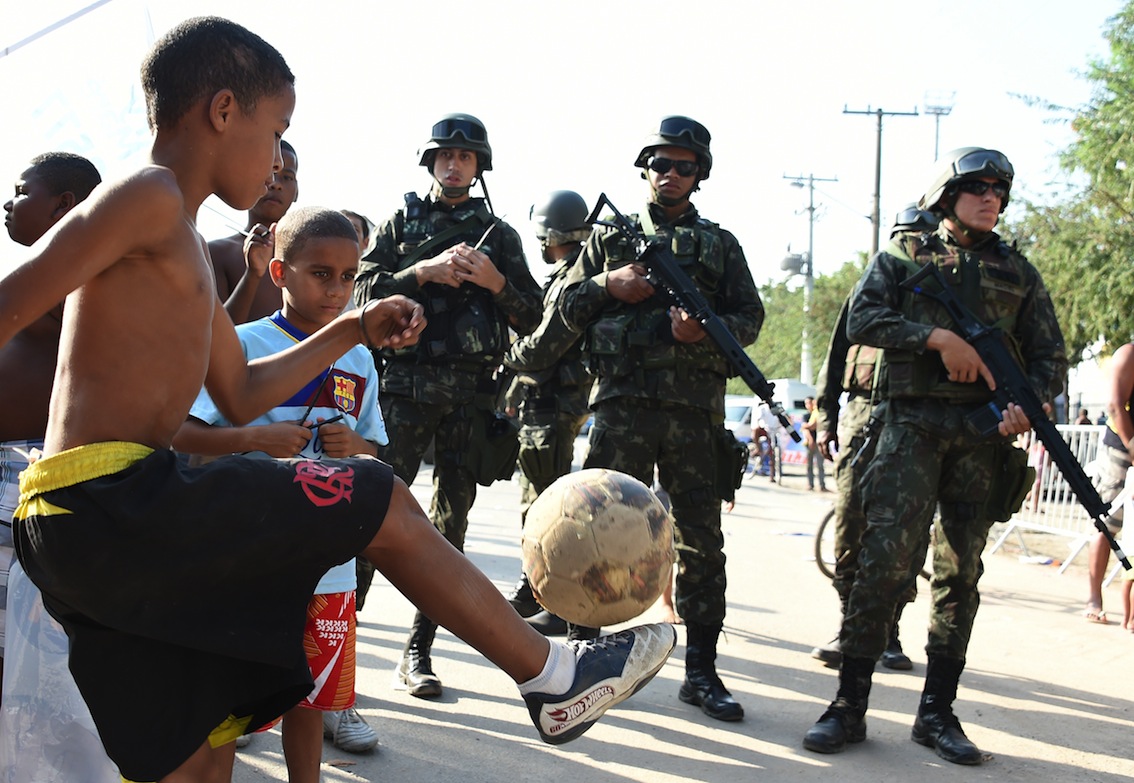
{"points": [[348, 388]]}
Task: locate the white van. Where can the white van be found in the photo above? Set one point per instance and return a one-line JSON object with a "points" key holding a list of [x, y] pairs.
{"points": [[739, 409]]}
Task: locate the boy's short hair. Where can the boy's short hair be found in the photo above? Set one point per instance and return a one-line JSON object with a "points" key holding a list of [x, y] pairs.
{"points": [[64, 172], [200, 57], [350, 213], [299, 225], [285, 146]]}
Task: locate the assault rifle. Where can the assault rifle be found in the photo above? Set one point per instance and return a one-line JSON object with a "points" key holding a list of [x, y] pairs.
{"points": [[665, 274], [1012, 385]]}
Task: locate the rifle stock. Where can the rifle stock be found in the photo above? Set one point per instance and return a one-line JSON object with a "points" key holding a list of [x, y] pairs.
{"points": [[1012, 385], [667, 275]]}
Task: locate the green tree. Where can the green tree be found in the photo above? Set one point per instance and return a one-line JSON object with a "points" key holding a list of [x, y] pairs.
{"points": [[1084, 244], [777, 351]]}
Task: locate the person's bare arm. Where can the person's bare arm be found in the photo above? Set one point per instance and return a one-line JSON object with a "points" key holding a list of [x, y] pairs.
{"points": [[1121, 387], [280, 439], [130, 217], [256, 255], [243, 390]]}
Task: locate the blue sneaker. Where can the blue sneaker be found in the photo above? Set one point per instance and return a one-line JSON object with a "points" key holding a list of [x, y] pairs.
{"points": [[608, 670]]}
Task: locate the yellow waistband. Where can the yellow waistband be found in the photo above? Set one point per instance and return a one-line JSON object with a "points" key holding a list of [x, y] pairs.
{"points": [[79, 464]]}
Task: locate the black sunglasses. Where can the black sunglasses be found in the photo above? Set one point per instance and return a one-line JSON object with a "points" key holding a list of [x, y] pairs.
{"points": [[979, 188], [450, 129], [685, 168]]}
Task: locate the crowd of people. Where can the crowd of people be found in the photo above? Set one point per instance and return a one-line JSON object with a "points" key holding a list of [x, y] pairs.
{"points": [[293, 435]]}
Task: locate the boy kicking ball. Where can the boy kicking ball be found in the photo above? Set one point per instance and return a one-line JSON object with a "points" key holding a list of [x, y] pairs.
{"points": [[187, 588]]}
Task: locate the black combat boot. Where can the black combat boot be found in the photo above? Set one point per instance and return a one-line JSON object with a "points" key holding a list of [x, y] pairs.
{"points": [[547, 623], [522, 599], [416, 669], [582, 633], [845, 718], [830, 653], [702, 686], [936, 726], [893, 656]]}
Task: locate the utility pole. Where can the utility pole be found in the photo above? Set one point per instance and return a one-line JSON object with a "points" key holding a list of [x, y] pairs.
{"points": [[939, 104], [876, 216], [807, 268]]}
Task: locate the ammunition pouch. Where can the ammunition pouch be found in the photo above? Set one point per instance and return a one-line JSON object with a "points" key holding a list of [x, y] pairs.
{"points": [[539, 439], [731, 459], [494, 446], [1012, 478]]}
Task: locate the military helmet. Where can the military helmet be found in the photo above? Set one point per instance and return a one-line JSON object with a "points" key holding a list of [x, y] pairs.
{"points": [[967, 163], [462, 131], [678, 131], [912, 218], [561, 212]]}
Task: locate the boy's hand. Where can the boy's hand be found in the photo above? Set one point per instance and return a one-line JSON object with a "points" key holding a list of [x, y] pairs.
{"points": [[280, 440], [392, 322], [339, 441], [259, 247]]}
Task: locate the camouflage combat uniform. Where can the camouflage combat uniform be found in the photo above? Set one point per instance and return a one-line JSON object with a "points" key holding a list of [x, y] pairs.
{"points": [[927, 453], [834, 378], [659, 402], [553, 390], [430, 390]]}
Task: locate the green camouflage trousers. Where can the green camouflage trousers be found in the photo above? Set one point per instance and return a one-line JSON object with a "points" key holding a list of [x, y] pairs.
{"points": [[926, 455], [850, 521], [547, 447], [632, 435], [411, 425]]}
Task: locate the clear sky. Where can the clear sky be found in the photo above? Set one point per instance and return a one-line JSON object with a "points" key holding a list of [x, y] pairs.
{"points": [[569, 88]]}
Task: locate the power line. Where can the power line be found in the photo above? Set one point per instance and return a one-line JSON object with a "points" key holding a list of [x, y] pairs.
{"points": [[876, 216], [7, 50]]}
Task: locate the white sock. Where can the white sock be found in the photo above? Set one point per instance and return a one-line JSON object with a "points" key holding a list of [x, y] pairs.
{"points": [[558, 672]]}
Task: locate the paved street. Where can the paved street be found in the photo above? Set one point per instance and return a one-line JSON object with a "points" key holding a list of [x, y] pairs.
{"points": [[1046, 695]]}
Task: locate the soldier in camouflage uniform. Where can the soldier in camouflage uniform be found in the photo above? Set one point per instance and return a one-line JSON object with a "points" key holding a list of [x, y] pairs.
{"points": [[930, 449], [851, 368], [659, 393], [435, 389], [551, 386]]}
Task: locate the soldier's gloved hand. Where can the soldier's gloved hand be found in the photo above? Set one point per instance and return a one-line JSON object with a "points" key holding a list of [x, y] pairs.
{"points": [[828, 443], [629, 284]]}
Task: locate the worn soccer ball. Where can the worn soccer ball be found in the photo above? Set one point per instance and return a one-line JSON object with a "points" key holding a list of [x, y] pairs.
{"points": [[597, 547]]}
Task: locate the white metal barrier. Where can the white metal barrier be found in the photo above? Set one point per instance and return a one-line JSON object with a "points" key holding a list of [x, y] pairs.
{"points": [[1051, 506]]}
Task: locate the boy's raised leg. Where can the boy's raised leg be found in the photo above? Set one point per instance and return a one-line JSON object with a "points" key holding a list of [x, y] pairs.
{"points": [[451, 591]]}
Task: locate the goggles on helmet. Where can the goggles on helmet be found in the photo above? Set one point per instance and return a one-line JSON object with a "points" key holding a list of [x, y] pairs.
{"points": [[675, 127], [983, 162], [451, 128]]}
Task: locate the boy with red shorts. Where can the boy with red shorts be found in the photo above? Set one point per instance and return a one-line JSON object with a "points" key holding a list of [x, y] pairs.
{"points": [[335, 415]]}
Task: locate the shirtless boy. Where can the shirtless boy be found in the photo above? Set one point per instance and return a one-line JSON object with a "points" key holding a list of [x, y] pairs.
{"points": [[124, 543], [41, 701], [240, 262]]}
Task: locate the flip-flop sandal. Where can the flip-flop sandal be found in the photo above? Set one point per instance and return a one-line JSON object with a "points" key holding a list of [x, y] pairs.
{"points": [[1093, 615]]}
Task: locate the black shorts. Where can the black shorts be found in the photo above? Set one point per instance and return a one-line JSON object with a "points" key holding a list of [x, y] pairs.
{"points": [[184, 591]]}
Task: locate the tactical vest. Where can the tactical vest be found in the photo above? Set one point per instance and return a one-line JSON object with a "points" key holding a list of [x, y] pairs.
{"points": [[629, 337], [989, 282], [464, 325]]}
